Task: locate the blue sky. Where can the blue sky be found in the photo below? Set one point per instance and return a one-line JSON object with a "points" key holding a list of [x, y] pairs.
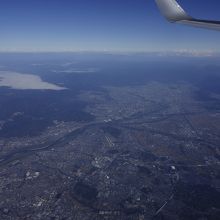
{"points": [[98, 25]]}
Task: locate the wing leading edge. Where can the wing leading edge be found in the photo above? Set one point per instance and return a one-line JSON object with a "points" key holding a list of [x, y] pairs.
{"points": [[176, 14]]}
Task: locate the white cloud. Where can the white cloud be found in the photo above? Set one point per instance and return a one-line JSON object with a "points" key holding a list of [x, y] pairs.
{"points": [[75, 70], [189, 53], [16, 80], [69, 63]]}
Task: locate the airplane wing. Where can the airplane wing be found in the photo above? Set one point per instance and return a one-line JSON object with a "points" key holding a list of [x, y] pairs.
{"points": [[176, 14]]}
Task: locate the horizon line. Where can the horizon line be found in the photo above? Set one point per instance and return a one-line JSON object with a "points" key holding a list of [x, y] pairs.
{"points": [[180, 52]]}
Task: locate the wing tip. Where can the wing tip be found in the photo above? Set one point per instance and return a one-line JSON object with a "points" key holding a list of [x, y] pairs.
{"points": [[172, 11]]}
